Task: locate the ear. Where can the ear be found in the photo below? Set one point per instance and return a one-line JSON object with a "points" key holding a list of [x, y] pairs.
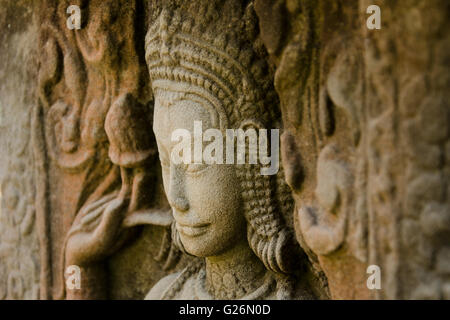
{"points": [[324, 227], [292, 162]]}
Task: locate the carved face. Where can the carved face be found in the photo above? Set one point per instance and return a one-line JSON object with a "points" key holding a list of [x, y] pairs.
{"points": [[205, 199]]}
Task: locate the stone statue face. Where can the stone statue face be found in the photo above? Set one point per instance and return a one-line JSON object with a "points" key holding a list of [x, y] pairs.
{"points": [[205, 199]]}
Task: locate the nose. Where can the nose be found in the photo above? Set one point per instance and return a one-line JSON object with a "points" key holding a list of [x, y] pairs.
{"points": [[177, 190]]}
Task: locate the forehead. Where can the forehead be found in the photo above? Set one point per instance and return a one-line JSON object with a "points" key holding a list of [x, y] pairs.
{"points": [[180, 115]]}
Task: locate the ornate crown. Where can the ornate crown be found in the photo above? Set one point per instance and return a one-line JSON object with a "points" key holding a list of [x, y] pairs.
{"points": [[224, 70]]}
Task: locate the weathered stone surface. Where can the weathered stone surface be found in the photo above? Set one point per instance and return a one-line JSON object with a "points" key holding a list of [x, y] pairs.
{"points": [[19, 249], [378, 97], [87, 177]]}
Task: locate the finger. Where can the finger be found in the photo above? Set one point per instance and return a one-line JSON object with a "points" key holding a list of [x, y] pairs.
{"points": [[106, 232], [91, 216], [82, 226], [127, 181], [94, 205]]}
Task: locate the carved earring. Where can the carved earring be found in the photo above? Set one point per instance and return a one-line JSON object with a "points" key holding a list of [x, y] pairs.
{"points": [[176, 240], [323, 228]]}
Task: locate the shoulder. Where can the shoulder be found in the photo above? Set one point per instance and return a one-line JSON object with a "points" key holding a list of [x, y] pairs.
{"points": [[161, 286]]}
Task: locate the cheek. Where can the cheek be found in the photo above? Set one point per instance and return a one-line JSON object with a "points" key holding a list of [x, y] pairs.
{"points": [[215, 193]]}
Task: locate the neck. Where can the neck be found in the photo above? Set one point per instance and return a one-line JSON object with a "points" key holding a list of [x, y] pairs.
{"points": [[234, 273]]}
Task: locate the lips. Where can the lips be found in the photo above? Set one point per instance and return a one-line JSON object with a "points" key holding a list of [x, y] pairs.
{"points": [[192, 230]]}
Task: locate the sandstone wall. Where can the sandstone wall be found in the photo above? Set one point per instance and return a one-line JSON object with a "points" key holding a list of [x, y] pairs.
{"points": [[365, 142]]}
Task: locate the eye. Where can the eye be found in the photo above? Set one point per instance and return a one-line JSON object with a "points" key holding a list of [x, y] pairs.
{"points": [[196, 168]]}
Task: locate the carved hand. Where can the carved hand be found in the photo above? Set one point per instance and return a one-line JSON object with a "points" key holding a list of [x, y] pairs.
{"points": [[95, 231]]}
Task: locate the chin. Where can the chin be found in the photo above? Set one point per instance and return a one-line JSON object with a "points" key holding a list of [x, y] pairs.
{"points": [[198, 252], [201, 247]]}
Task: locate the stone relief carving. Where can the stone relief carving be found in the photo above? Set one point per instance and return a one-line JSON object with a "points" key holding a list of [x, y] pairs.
{"points": [[365, 82], [410, 177], [240, 232], [19, 251], [93, 143], [86, 177]]}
